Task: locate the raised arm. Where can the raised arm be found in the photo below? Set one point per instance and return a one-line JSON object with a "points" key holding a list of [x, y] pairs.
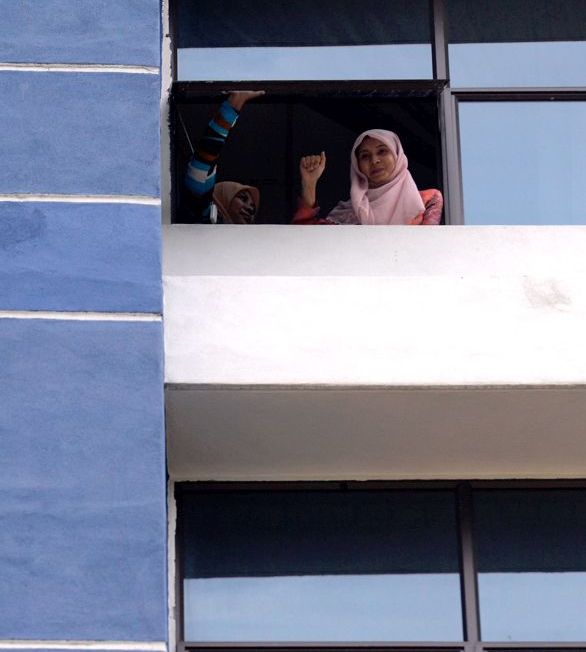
{"points": [[200, 176], [311, 168]]}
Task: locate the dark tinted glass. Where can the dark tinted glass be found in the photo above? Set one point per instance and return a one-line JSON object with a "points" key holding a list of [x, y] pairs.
{"points": [[523, 162], [303, 39], [320, 566], [267, 23], [517, 42], [532, 564]]}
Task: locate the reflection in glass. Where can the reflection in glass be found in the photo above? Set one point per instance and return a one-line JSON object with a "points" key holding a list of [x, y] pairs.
{"points": [[477, 65], [517, 43], [532, 565], [320, 566], [303, 40], [409, 61], [523, 162]]}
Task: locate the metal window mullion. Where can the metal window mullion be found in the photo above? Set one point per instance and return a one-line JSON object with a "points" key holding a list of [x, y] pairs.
{"points": [[439, 40], [468, 575], [452, 168]]}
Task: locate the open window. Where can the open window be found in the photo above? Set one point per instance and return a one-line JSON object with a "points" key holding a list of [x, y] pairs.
{"points": [[330, 71], [302, 118]]}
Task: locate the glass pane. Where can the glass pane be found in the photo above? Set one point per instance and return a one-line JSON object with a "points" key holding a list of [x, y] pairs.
{"points": [[320, 566], [517, 43], [532, 564], [303, 40], [409, 61], [523, 162]]}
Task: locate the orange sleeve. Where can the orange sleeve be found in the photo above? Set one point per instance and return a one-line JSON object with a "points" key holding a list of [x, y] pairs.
{"points": [[434, 204]]}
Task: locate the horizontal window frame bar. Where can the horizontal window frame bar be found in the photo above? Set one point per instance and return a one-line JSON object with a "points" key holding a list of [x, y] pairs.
{"points": [[519, 94], [271, 646], [186, 91], [425, 646], [211, 486], [540, 645]]}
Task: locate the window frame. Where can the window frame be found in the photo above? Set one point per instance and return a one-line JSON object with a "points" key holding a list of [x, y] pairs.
{"points": [[463, 497], [449, 100], [458, 96], [437, 85]]}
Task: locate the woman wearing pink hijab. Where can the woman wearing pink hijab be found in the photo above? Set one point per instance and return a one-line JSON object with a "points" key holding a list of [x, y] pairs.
{"points": [[382, 190]]}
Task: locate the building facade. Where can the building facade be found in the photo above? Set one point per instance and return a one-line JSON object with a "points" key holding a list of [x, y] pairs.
{"points": [[272, 436]]}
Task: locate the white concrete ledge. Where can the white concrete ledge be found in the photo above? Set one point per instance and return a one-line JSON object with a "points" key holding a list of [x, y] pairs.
{"points": [[297, 353], [360, 306]]}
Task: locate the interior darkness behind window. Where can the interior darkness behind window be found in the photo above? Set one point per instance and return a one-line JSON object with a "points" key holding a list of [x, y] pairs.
{"points": [[272, 134]]}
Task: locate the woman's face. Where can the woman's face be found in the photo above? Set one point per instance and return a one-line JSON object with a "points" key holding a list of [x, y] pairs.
{"points": [[375, 161], [242, 208]]}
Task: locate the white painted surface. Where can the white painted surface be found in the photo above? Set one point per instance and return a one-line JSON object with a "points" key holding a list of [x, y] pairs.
{"points": [[82, 199], [312, 434], [79, 316], [362, 353], [375, 306], [278, 250], [79, 67]]}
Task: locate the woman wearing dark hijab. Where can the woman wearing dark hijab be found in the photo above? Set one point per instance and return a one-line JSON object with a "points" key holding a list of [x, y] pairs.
{"points": [[226, 202]]}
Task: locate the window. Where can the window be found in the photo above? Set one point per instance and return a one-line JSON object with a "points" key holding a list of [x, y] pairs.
{"points": [[531, 564], [523, 162], [336, 115], [320, 566], [303, 40], [487, 98], [330, 70], [517, 43], [429, 565], [521, 132]]}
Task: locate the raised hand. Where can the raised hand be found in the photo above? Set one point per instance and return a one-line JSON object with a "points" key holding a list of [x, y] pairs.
{"points": [[239, 98], [311, 168]]}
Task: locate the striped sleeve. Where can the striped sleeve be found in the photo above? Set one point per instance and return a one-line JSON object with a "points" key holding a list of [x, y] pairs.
{"points": [[200, 177]]}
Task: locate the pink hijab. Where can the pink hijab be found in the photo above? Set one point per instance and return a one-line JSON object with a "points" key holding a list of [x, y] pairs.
{"points": [[397, 202]]}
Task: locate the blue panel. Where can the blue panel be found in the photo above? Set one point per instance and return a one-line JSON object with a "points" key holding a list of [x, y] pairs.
{"points": [[81, 257], [84, 31], [82, 487], [91, 133]]}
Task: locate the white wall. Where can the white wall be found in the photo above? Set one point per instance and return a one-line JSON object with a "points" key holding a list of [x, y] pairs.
{"points": [[375, 306], [375, 353]]}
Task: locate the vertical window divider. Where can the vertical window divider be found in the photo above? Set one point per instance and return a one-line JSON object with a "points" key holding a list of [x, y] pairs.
{"points": [[452, 176], [452, 167], [468, 575], [439, 42]]}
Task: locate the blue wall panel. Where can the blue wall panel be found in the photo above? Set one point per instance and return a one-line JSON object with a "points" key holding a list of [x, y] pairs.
{"points": [[80, 257], [83, 31], [90, 133], [82, 487]]}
